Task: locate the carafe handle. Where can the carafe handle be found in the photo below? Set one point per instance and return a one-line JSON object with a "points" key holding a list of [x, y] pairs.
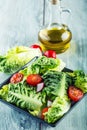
{"points": [[65, 15]]}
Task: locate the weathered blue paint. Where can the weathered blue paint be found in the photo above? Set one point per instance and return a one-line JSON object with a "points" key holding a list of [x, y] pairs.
{"points": [[20, 21]]}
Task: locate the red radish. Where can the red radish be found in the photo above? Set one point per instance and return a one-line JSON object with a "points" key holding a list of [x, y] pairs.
{"points": [[50, 54], [36, 46], [40, 86], [49, 103]]}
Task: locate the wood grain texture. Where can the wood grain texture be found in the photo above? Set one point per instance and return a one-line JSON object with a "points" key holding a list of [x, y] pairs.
{"points": [[20, 21]]}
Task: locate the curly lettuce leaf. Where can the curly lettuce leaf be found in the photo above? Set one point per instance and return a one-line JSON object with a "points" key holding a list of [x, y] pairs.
{"points": [[56, 83], [79, 79], [4, 92], [16, 58], [43, 64], [59, 107], [24, 96]]}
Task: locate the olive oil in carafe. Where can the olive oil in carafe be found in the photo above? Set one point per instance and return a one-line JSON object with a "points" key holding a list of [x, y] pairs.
{"points": [[55, 38]]}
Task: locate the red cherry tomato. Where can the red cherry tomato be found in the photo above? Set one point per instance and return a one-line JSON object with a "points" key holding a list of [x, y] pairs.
{"points": [[36, 46], [50, 54], [74, 93], [34, 79], [43, 111], [16, 78]]}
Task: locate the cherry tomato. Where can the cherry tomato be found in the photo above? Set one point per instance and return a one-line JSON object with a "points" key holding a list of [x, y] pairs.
{"points": [[34, 79], [74, 93], [43, 111], [36, 46], [50, 54], [16, 78]]}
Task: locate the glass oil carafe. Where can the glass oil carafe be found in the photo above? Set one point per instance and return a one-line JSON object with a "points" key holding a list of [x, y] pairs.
{"points": [[56, 35]]}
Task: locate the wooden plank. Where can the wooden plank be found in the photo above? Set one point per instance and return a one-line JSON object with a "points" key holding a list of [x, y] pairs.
{"points": [[20, 22]]}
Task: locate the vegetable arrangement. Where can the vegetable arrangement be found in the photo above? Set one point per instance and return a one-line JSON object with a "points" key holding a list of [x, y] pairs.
{"points": [[44, 90]]}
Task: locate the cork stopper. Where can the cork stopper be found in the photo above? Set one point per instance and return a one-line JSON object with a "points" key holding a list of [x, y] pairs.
{"points": [[54, 2]]}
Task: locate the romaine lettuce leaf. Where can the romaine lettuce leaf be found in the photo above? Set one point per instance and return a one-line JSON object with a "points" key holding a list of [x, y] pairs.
{"points": [[56, 85], [59, 107], [24, 96], [4, 92], [16, 58], [43, 64]]}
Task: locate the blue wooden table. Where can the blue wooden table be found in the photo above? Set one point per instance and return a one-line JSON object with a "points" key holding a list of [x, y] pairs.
{"points": [[20, 21]]}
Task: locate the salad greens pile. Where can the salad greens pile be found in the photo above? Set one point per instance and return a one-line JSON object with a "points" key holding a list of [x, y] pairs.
{"points": [[55, 89], [43, 64], [16, 58]]}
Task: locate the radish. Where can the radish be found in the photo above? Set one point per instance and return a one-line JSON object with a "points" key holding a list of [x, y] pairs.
{"points": [[40, 86], [49, 103]]}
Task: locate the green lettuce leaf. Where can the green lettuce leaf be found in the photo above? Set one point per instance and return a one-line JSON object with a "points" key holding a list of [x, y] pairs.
{"points": [[24, 96], [43, 64], [59, 107], [4, 92], [16, 58], [56, 85]]}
